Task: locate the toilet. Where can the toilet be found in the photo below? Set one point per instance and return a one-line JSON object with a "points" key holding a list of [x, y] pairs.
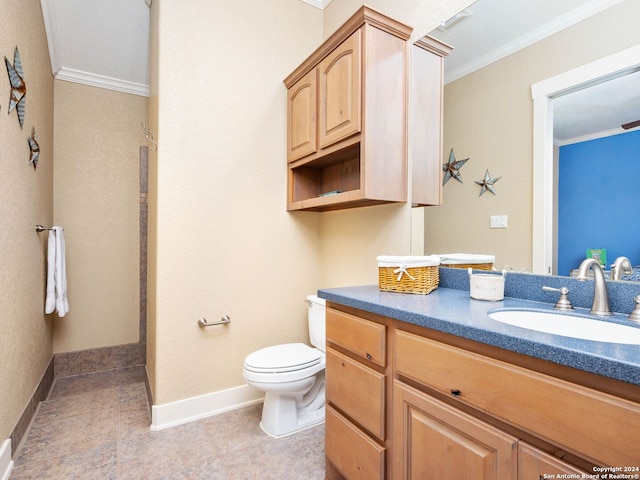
{"points": [[292, 377]]}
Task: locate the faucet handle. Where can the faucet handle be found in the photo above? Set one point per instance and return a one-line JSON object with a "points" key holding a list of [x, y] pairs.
{"points": [[635, 315], [563, 302]]}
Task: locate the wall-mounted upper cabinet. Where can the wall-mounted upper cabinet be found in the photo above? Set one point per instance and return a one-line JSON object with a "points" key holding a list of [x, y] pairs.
{"points": [[347, 118], [427, 57]]}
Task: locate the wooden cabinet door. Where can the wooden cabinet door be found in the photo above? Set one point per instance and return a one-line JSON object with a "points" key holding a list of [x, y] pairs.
{"points": [[351, 452], [534, 464], [433, 440], [301, 116], [340, 92], [357, 390]]}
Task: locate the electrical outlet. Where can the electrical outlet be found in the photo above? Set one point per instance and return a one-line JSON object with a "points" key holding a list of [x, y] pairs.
{"points": [[498, 221]]}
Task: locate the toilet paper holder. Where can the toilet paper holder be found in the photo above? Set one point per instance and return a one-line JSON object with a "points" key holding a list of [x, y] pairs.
{"points": [[202, 322]]}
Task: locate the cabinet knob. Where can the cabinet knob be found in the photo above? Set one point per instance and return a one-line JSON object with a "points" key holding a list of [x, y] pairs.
{"points": [[455, 392], [368, 356]]}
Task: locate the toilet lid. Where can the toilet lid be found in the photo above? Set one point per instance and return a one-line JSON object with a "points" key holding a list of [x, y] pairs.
{"points": [[283, 358]]}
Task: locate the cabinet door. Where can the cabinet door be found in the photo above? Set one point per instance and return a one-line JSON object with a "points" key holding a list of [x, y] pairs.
{"points": [[357, 390], [301, 116], [340, 87], [534, 464], [350, 451], [433, 440]]}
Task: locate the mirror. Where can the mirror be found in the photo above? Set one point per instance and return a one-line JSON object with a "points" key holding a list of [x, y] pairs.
{"points": [[547, 96], [494, 122]]}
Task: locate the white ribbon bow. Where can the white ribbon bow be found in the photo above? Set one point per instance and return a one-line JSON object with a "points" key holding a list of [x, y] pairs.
{"points": [[402, 270]]}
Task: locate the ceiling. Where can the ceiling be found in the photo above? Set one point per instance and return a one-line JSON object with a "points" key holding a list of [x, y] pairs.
{"points": [[106, 44], [103, 43]]}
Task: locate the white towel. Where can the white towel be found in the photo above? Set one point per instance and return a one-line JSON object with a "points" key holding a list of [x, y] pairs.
{"points": [[56, 274], [50, 303]]}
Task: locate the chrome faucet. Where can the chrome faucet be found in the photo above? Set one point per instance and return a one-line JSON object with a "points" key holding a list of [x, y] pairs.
{"points": [[621, 266], [601, 305]]}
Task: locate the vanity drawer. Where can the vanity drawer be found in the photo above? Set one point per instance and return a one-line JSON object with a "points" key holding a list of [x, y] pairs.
{"points": [[356, 390], [354, 454], [361, 337], [599, 426]]}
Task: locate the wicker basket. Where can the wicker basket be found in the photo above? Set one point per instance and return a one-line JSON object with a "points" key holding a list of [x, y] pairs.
{"points": [[466, 260], [475, 266], [424, 281]]}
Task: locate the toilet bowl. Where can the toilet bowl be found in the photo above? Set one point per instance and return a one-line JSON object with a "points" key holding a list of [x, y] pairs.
{"points": [[292, 377]]}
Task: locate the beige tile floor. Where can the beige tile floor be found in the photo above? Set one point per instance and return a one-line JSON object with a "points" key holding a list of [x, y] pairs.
{"points": [[96, 426]]}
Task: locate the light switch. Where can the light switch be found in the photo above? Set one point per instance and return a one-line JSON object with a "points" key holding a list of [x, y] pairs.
{"points": [[498, 221]]}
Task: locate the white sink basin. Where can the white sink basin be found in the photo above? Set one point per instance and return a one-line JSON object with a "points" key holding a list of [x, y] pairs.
{"points": [[569, 326]]}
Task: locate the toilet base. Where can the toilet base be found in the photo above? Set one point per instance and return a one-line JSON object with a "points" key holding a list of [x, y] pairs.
{"points": [[285, 415]]}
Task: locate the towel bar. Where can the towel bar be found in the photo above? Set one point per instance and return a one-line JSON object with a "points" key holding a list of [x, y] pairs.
{"points": [[40, 228], [202, 322]]}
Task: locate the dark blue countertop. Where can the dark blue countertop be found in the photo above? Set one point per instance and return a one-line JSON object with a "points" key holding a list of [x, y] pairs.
{"points": [[450, 309]]}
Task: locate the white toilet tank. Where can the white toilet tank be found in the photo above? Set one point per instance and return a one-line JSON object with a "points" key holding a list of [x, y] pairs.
{"points": [[317, 321]]}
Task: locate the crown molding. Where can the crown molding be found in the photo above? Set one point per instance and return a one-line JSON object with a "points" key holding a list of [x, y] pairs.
{"points": [[591, 136], [76, 76], [546, 30], [50, 26], [316, 3]]}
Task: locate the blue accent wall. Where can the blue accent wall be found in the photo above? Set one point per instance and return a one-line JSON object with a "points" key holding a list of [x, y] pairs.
{"points": [[599, 199]]}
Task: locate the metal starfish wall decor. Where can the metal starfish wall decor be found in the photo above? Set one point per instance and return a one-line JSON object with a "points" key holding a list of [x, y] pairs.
{"points": [[487, 183], [34, 147], [452, 168], [17, 98]]}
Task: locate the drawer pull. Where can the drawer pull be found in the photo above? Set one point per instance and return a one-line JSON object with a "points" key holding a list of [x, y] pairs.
{"points": [[368, 356], [456, 393]]}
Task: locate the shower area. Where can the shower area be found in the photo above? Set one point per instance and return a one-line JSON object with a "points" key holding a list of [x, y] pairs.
{"points": [[127, 354]]}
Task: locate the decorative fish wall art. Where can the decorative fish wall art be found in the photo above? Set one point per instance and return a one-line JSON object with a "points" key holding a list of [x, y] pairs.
{"points": [[34, 147], [17, 98]]}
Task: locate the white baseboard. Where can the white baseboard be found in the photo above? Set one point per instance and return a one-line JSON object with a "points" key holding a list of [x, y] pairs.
{"points": [[6, 464], [195, 408]]}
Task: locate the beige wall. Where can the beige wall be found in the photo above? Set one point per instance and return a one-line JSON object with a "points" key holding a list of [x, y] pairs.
{"points": [[488, 118], [25, 200], [96, 201], [223, 242]]}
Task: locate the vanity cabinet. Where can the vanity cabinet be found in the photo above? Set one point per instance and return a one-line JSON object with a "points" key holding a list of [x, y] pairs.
{"points": [[347, 118], [356, 383], [425, 404]]}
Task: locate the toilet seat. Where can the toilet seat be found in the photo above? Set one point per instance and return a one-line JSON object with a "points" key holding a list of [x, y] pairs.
{"points": [[288, 357], [289, 362]]}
